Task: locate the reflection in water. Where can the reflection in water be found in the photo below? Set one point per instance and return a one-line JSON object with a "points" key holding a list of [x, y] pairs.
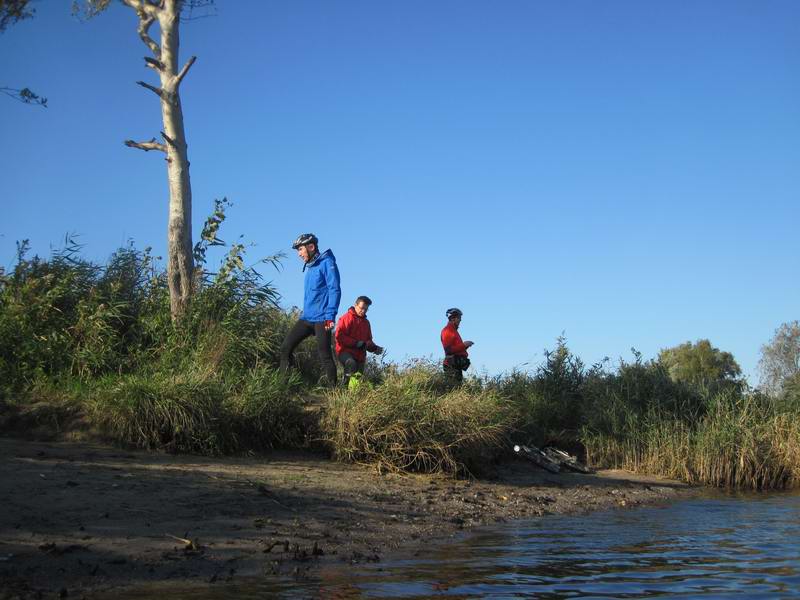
{"points": [[718, 547]]}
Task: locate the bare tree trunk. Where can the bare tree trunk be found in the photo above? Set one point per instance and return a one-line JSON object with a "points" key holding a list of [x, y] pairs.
{"points": [[180, 263]]}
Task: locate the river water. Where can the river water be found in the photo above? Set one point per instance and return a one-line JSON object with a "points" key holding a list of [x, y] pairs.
{"points": [[745, 546], [716, 546]]}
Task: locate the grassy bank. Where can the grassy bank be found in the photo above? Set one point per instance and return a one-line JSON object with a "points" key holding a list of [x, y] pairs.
{"points": [[92, 347], [414, 420]]}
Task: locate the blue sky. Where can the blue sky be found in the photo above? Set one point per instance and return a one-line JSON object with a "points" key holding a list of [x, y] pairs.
{"points": [[625, 172]]}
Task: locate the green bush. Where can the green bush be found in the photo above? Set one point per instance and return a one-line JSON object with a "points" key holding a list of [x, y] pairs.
{"points": [[548, 403], [618, 403], [206, 383]]}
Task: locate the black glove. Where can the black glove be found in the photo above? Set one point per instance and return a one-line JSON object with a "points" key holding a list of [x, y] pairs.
{"points": [[360, 345]]}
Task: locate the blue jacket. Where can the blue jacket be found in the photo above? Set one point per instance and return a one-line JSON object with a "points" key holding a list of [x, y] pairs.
{"points": [[322, 291]]}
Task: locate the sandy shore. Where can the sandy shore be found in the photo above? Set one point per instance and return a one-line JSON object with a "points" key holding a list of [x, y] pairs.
{"points": [[81, 519]]}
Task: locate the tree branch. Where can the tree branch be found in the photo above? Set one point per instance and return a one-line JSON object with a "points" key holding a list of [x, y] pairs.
{"points": [[145, 21], [147, 146], [157, 91], [14, 11], [25, 96], [186, 68], [189, 7], [153, 63], [144, 7], [147, 13], [169, 139]]}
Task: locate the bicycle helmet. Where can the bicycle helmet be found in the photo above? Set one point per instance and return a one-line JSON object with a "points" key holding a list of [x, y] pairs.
{"points": [[453, 312], [303, 239]]}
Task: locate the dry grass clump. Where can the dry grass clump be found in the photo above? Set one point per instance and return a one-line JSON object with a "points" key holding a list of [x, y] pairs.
{"points": [[414, 422], [742, 441], [156, 412], [747, 442], [198, 413]]}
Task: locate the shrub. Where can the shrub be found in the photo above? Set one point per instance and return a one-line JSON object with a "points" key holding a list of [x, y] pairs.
{"points": [[416, 421], [549, 403], [161, 412], [264, 412], [198, 414]]}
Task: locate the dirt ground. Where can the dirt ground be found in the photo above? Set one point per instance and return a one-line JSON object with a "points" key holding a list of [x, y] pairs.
{"points": [[80, 519]]}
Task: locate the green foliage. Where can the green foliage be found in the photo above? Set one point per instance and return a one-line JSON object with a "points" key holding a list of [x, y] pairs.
{"points": [[779, 365], [699, 364], [549, 402], [68, 317], [791, 391], [264, 412], [199, 414], [160, 412], [618, 403], [640, 417], [205, 384], [13, 11]]}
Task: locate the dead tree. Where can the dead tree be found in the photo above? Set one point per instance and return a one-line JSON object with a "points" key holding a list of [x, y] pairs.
{"points": [[164, 61]]}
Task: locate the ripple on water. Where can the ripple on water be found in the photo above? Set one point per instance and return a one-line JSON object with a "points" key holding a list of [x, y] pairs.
{"points": [[715, 547]]}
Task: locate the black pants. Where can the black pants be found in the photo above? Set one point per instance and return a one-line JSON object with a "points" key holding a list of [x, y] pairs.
{"points": [[350, 364], [454, 374], [301, 330]]}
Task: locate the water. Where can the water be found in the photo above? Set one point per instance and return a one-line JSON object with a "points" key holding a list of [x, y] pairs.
{"points": [[717, 547], [720, 546]]}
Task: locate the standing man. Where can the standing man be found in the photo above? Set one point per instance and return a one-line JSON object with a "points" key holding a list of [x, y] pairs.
{"points": [[354, 338], [455, 351], [322, 294]]}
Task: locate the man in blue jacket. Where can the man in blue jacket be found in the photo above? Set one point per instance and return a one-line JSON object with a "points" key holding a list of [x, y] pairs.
{"points": [[320, 304]]}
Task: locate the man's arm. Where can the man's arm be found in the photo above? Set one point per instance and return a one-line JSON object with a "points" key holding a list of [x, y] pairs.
{"points": [[334, 290], [371, 346]]}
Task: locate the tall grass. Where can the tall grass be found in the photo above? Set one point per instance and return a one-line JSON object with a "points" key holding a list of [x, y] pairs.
{"points": [[160, 412], [207, 383], [742, 441], [197, 413], [415, 421]]}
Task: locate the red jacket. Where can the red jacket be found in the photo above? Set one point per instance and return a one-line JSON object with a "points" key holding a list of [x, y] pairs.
{"points": [[451, 341], [351, 329]]}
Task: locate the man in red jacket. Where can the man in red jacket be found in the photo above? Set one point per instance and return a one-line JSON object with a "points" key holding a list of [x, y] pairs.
{"points": [[354, 338], [455, 350]]}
